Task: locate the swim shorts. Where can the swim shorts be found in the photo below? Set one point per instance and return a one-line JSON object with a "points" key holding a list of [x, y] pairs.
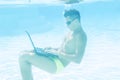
{"points": [[58, 63]]}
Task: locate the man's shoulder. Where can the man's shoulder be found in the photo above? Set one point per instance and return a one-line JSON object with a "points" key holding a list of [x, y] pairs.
{"points": [[81, 35]]}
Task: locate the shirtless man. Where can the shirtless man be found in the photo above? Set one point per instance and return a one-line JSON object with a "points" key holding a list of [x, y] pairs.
{"points": [[72, 50]]}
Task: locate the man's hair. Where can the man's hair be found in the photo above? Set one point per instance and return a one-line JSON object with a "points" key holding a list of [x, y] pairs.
{"points": [[72, 13]]}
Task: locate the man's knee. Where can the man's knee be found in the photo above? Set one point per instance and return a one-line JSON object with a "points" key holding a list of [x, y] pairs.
{"points": [[23, 57]]}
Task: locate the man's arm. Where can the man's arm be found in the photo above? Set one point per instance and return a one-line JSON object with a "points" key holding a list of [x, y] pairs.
{"points": [[79, 52]]}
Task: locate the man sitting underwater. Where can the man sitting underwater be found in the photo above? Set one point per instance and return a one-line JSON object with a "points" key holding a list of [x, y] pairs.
{"points": [[72, 50]]}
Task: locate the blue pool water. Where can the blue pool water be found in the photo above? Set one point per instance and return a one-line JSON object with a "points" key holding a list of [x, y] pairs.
{"points": [[46, 24]]}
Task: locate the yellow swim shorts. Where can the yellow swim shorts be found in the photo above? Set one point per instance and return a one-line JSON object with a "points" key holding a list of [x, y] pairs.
{"points": [[58, 63]]}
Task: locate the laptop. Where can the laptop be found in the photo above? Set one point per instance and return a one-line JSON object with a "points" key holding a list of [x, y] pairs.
{"points": [[40, 51]]}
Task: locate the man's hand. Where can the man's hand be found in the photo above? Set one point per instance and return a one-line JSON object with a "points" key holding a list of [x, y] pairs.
{"points": [[51, 50]]}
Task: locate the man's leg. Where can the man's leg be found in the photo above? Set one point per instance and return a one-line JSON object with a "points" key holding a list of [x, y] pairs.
{"points": [[27, 60]]}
